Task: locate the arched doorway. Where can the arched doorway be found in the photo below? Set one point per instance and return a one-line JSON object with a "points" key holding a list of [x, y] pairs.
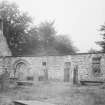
{"points": [[21, 69]]}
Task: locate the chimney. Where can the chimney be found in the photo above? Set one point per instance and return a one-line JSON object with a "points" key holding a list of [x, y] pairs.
{"points": [[4, 49]]}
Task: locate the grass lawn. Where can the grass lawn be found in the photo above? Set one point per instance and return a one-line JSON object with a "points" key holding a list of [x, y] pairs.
{"points": [[57, 93]]}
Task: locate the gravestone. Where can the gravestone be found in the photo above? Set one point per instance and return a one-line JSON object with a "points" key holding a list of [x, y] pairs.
{"points": [[4, 81], [75, 75]]}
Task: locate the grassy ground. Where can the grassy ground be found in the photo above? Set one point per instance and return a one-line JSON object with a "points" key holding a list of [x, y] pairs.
{"points": [[57, 93]]}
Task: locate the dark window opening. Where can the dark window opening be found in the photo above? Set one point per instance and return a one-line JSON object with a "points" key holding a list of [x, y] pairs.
{"points": [[44, 63], [96, 66], [30, 78]]}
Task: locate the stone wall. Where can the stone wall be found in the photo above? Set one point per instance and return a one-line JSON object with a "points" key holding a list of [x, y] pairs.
{"points": [[84, 62], [55, 65]]}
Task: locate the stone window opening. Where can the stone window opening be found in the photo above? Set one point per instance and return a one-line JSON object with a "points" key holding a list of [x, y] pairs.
{"points": [[45, 70], [21, 69], [44, 63], [96, 62]]}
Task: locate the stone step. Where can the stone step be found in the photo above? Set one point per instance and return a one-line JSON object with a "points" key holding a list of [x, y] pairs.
{"points": [[30, 102]]}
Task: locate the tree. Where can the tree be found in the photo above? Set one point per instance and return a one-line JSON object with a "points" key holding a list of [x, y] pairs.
{"points": [[102, 42], [25, 39], [64, 45], [46, 33], [16, 26], [33, 44], [54, 44]]}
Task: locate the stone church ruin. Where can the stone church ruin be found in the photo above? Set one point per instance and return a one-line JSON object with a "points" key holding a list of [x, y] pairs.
{"points": [[69, 68]]}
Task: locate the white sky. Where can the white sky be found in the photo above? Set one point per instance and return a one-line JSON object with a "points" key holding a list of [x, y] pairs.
{"points": [[80, 19]]}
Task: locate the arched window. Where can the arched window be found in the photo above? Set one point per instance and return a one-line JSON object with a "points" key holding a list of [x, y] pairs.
{"points": [[21, 69]]}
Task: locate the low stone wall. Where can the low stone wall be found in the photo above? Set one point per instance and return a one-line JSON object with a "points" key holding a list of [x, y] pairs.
{"points": [[57, 67], [85, 70], [54, 65]]}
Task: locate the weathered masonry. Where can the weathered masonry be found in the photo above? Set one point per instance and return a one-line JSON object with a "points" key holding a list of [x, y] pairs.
{"points": [[70, 68]]}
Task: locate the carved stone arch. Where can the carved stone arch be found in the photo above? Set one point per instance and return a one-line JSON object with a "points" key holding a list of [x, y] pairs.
{"points": [[20, 61], [21, 67]]}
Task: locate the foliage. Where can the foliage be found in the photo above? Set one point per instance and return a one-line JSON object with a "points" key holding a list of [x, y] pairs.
{"points": [[102, 42], [64, 45], [59, 44], [92, 51], [46, 33], [16, 25], [25, 39]]}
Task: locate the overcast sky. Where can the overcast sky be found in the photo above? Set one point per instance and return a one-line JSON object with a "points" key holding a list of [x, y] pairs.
{"points": [[79, 19]]}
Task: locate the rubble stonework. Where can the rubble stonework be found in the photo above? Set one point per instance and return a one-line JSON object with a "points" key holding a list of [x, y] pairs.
{"points": [[33, 67]]}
